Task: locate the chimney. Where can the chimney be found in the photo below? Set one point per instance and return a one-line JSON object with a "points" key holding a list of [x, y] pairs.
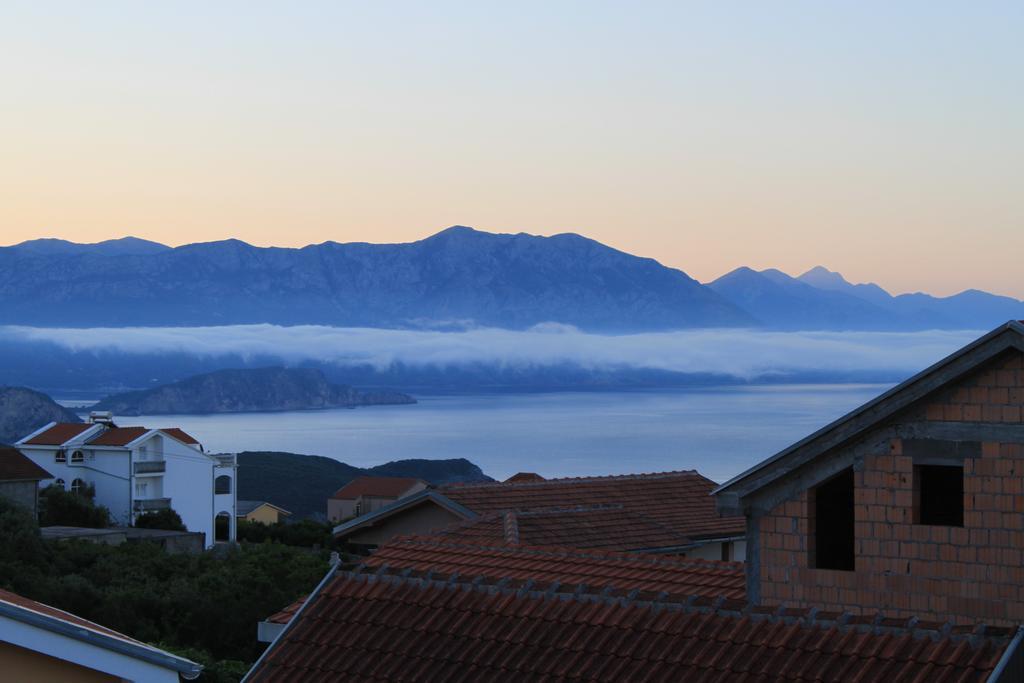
{"points": [[511, 528]]}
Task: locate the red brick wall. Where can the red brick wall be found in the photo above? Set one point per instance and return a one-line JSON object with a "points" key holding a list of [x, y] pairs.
{"points": [[967, 574]]}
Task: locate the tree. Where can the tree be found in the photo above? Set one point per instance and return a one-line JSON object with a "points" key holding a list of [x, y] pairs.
{"points": [[161, 519], [66, 508]]}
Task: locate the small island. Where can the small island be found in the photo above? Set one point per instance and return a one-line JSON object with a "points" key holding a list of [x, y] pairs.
{"points": [[251, 390]]}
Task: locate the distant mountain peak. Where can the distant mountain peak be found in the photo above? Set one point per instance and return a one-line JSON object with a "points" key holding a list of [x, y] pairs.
{"points": [[823, 278]]}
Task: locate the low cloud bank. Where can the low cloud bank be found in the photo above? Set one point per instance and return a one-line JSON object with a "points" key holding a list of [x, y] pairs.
{"points": [[746, 354]]}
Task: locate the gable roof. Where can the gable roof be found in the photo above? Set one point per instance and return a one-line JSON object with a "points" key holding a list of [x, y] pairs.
{"points": [[244, 507], [677, 501], [383, 487], [180, 434], [14, 466], [119, 436], [382, 625], [44, 616], [859, 421], [57, 433], [380, 515]]}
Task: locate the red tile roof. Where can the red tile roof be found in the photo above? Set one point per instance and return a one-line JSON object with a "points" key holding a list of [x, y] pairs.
{"points": [[524, 476], [14, 466], [565, 565], [383, 487], [676, 501], [386, 626], [58, 434], [609, 527], [118, 436], [179, 434]]}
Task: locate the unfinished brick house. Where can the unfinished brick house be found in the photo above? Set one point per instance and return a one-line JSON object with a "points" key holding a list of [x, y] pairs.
{"points": [[913, 504]]}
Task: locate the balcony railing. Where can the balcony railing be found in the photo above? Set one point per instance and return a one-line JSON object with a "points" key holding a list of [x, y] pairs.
{"points": [[150, 467], [150, 504]]}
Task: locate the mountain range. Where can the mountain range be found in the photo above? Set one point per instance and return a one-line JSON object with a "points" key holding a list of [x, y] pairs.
{"points": [[457, 278]]}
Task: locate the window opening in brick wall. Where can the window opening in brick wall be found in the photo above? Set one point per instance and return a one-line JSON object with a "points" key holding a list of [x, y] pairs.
{"points": [[939, 495], [831, 523]]}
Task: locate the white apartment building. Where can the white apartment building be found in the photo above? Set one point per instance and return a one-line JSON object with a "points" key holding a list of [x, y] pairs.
{"points": [[136, 470]]}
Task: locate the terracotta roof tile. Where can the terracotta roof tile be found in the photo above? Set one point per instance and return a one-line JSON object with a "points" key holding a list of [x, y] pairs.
{"points": [[14, 466], [678, 503], [384, 487], [180, 435], [624, 571], [118, 436], [377, 625], [58, 434]]}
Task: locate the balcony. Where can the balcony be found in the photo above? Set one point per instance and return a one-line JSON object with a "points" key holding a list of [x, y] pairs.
{"points": [[151, 504], [150, 467]]}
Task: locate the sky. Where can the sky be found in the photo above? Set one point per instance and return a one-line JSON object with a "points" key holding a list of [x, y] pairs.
{"points": [[882, 140]]}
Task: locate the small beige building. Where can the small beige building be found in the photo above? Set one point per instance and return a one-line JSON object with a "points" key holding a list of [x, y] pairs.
{"points": [[367, 494], [261, 511]]}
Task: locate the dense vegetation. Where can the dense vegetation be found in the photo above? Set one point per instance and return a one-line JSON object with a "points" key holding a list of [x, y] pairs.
{"points": [[306, 533], [203, 606], [58, 507], [168, 520], [302, 484]]}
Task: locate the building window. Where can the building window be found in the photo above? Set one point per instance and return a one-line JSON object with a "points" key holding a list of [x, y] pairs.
{"points": [[939, 495], [830, 512], [60, 483], [222, 484], [77, 456], [78, 486], [141, 489], [60, 456]]}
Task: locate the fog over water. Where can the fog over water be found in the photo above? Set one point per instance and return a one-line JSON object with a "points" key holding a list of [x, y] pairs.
{"points": [[719, 432], [746, 354]]}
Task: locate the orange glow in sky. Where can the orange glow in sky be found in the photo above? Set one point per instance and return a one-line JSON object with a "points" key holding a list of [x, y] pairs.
{"points": [[883, 141]]}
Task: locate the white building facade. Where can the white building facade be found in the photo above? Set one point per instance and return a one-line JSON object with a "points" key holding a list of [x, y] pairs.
{"points": [[136, 470]]}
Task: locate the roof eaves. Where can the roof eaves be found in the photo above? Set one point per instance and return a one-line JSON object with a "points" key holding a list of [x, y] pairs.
{"points": [[426, 494], [34, 434], [888, 403], [143, 437], [188, 669]]}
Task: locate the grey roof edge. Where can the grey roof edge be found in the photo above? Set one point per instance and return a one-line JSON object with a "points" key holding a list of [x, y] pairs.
{"points": [[295, 617], [426, 494], [188, 669], [1010, 327], [1008, 656]]}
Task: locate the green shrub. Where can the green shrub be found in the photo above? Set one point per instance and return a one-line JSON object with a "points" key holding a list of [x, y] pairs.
{"points": [[66, 508], [161, 519]]}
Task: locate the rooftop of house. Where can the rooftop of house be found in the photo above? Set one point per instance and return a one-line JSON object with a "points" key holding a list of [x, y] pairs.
{"points": [[40, 615], [524, 476], [569, 566], [678, 502], [382, 487], [59, 434], [609, 527], [244, 507], [14, 466], [383, 624]]}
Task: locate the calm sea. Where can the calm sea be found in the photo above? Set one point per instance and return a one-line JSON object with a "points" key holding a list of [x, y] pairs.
{"points": [[719, 432]]}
